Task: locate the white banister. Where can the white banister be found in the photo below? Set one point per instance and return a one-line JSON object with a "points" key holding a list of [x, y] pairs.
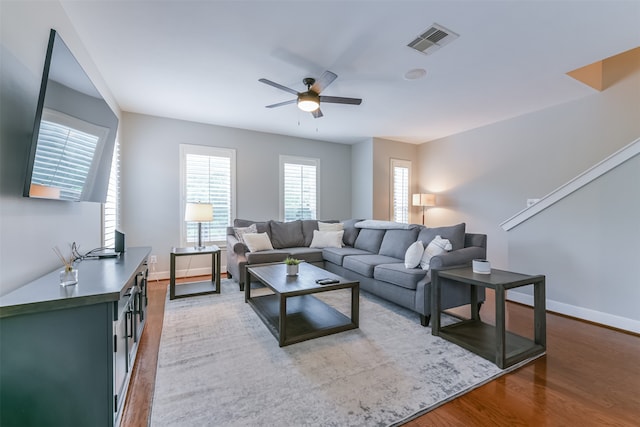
{"points": [[611, 162]]}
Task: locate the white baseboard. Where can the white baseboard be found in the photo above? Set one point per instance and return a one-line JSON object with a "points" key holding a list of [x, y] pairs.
{"points": [[607, 319], [164, 275]]}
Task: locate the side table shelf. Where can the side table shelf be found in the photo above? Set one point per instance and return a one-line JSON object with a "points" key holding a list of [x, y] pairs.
{"points": [[494, 343], [195, 288]]}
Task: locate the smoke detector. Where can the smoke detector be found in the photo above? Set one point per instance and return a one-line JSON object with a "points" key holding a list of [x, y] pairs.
{"points": [[432, 39]]}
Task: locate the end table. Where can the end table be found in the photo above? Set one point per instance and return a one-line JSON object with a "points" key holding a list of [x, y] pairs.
{"points": [[493, 343], [195, 288]]}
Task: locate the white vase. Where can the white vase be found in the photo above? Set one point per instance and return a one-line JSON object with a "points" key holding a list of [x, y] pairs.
{"points": [[292, 269]]}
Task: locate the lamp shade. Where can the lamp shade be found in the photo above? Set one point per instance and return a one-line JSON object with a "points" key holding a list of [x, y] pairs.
{"points": [[200, 212], [422, 199]]}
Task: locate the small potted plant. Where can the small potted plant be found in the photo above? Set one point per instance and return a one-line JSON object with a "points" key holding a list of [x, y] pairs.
{"points": [[292, 265]]}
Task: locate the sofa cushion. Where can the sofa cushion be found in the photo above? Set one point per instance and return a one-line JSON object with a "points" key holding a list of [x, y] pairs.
{"points": [[306, 254], [286, 234], [369, 240], [336, 255], [350, 231], [276, 255], [364, 264], [261, 226], [330, 226], [398, 275], [308, 227], [396, 242], [453, 233]]}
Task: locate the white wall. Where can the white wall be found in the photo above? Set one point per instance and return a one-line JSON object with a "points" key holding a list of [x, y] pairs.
{"points": [[30, 228], [151, 179], [484, 176]]}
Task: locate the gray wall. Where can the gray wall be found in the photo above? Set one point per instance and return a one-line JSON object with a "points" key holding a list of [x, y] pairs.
{"points": [[30, 228], [485, 176], [362, 179], [151, 177], [591, 260]]}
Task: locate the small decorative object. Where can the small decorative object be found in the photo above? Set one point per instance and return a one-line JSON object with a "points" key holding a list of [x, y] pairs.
{"points": [[68, 276], [481, 266], [292, 266]]}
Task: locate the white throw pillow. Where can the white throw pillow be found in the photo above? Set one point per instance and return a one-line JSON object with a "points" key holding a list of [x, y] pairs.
{"points": [[330, 226], [327, 239], [413, 254], [436, 247], [257, 242], [241, 231]]}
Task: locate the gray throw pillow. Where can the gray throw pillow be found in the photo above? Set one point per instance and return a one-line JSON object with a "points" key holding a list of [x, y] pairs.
{"points": [[286, 234]]}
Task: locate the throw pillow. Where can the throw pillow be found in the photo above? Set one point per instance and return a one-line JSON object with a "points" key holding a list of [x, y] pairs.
{"points": [[413, 255], [327, 239], [286, 234], [330, 226], [436, 247], [241, 231], [257, 242]]}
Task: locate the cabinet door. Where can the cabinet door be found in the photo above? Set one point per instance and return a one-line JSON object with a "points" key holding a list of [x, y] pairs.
{"points": [[120, 356]]}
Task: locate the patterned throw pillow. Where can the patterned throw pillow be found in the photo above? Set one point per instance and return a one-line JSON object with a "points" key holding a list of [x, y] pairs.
{"points": [[413, 255], [436, 247], [241, 231]]}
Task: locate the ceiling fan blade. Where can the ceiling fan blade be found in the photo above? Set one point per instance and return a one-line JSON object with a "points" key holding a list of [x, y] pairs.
{"points": [[325, 80], [280, 104], [278, 86], [317, 113], [340, 100]]}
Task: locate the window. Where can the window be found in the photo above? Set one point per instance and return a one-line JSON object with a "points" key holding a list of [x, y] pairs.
{"points": [[298, 188], [400, 185], [111, 208], [207, 176]]}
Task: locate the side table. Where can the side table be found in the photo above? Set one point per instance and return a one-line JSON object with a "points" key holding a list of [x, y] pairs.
{"points": [[195, 288], [493, 343]]}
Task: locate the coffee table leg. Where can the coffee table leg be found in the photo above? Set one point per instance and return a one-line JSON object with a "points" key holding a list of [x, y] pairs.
{"points": [[282, 320], [355, 305]]}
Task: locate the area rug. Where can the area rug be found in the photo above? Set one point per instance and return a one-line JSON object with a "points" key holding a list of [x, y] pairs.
{"points": [[218, 365]]}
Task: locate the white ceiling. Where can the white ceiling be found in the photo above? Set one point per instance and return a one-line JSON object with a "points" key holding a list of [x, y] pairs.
{"points": [[201, 60]]}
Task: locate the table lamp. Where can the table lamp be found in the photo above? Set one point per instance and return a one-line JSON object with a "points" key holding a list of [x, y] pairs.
{"points": [[200, 212]]}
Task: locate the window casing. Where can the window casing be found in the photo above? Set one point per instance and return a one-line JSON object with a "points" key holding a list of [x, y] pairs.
{"points": [[299, 188], [207, 176], [111, 208], [400, 186]]}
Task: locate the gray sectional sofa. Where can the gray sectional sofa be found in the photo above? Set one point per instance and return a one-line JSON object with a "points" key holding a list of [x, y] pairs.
{"points": [[372, 252]]}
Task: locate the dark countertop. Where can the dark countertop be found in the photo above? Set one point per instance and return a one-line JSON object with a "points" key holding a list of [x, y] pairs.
{"points": [[99, 281]]}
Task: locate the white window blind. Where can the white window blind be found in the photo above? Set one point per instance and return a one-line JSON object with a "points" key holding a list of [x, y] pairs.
{"points": [[299, 188], [400, 184], [110, 209], [208, 176]]}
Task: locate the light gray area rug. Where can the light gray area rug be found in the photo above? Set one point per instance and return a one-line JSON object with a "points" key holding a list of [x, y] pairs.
{"points": [[218, 365]]}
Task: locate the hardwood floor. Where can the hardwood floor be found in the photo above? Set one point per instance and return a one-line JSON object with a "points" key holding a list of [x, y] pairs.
{"points": [[590, 376]]}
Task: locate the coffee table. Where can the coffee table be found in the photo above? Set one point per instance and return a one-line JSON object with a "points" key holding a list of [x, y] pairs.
{"points": [[292, 313], [494, 343]]}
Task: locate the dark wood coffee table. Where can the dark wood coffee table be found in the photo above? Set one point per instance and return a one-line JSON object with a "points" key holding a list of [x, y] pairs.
{"points": [[292, 313]]}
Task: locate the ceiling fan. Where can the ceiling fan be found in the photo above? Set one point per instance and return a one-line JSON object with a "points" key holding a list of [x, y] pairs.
{"points": [[310, 99]]}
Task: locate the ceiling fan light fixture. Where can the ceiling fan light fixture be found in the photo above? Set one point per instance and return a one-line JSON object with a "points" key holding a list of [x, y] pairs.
{"points": [[308, 101]]}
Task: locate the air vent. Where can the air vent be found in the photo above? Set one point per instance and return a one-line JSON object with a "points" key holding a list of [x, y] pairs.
{"points": [[433, 39]]}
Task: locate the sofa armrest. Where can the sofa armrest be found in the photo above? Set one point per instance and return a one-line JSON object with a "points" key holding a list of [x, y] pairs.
{"points": [[235, 245], [459, 257]]}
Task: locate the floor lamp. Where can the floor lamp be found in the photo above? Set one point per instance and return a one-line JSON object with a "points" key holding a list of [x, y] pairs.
{"points": [[200, 212], [424, 200]]}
